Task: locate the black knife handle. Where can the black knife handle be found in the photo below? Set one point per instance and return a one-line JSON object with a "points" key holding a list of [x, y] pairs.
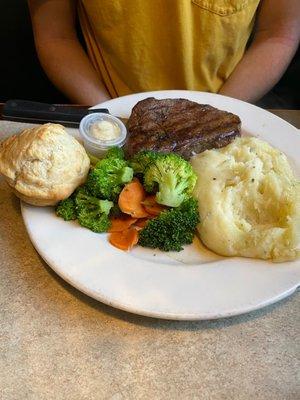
{"points": [[31, 111]]}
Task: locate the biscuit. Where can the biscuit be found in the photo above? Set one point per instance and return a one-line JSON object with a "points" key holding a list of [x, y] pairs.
{"points": [[43, 165]]}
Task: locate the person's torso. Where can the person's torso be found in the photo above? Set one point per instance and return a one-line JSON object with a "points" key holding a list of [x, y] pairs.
{"points": [[141, 45]]}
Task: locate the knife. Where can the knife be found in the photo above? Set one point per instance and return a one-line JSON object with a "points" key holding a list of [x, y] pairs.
{"points": [[35, 112]]}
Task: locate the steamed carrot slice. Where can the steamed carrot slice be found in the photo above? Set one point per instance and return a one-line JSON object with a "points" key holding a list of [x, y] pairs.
{"points": [[121, 223], [124, 240], [151, 206], [130, 199], [141, 222]]}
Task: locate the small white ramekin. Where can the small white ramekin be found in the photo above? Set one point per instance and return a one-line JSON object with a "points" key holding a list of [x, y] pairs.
{"points": [[97, 147]]}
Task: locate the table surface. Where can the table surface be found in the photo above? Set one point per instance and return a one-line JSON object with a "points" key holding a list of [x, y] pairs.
{"points": [[57, 343]]}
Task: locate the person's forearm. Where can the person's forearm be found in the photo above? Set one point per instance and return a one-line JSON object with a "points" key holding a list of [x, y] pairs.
{"points": [[260, 69], [69, 68]]}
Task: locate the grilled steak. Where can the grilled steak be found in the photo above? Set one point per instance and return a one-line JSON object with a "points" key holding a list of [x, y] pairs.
{"points": [[179, 125]]}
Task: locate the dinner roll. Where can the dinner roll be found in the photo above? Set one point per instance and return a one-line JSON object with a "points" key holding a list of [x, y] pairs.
{"points": [[43, 165]]}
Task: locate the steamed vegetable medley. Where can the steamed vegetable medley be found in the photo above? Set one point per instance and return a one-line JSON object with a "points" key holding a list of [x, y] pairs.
{"points": [[146, 200]]}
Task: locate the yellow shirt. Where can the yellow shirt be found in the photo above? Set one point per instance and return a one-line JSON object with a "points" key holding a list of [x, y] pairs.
{"points": [[141, 45]]}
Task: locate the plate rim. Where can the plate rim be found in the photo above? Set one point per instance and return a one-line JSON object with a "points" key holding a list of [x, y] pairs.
{"points": [[163, 315], [158, 315], [245, 103]]}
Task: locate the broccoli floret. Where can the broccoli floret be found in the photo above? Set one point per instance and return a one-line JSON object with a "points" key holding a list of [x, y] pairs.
{"points": [[108, 177], [94, 221], [115, 152], [93, 159], [172, 228], [92, 213], [175, 179], [66, 209], [142, 159]]}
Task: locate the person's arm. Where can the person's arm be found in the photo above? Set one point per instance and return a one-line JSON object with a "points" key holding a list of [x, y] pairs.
{"points": [[275, 43], [60, 53]]}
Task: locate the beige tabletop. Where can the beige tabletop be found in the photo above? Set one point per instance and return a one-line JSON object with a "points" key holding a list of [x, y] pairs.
{"points": [[57, 343]]}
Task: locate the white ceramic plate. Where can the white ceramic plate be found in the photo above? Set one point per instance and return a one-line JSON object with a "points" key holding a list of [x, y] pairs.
{"points": [[191, 285]]}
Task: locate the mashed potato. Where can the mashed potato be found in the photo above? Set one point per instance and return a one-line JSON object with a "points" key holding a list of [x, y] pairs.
{"points": [[249, 201]]}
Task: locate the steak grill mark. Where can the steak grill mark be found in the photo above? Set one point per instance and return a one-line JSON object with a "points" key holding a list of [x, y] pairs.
{"points": [[179, 125]]}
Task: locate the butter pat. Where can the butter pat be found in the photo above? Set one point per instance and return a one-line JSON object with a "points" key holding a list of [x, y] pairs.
{"points": [[104, 130]]}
